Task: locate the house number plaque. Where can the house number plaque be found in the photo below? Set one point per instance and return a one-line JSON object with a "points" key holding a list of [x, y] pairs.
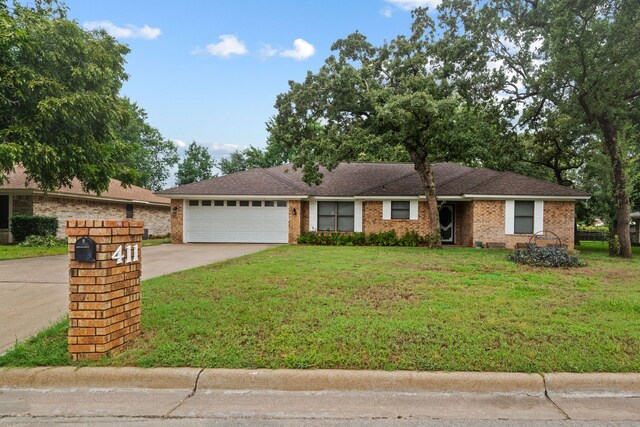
{"points": [[126, 254]]}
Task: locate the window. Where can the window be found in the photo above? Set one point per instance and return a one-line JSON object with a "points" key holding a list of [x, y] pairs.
{"points": [[400, 210], [194, 203], [256, 203], [129, 210], [523, 219], [4, 211], [269, 203], [206, 203], [244, 203], [335, 216], [218, 203], [231, 203], [282, 204]]}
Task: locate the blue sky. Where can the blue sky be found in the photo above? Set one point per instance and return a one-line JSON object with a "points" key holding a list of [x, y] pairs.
{"points": [[210, 71]]}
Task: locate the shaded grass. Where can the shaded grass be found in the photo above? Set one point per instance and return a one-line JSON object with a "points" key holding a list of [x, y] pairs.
{"points": [[383, 308], [8, 252]]}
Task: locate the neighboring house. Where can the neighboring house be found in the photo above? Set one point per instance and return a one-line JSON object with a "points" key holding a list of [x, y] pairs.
{"points": [[19, 196], [274, 205]]}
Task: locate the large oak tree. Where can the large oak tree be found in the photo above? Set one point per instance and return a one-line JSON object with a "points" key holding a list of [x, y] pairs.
{"points": [[574, 57], [368, 99]]}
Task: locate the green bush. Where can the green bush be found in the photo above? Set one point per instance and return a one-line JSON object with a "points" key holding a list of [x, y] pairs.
{"points": [[385, 238], [43, 241], [545, 256], [33, 225]]}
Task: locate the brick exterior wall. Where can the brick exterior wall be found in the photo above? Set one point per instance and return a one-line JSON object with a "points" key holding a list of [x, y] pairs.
{"points": [[478, 220], [104, 296], [156, 218], [463, 223], [176, 221], [489, 222], [298, 223], [559, 218], [372, 221]]}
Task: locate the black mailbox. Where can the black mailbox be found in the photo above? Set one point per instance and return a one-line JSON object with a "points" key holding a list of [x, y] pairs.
{"points": [[85, 250]]}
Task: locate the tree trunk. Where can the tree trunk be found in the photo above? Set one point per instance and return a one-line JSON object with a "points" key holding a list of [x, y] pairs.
{"points": [[621, 197], [423, 167]]}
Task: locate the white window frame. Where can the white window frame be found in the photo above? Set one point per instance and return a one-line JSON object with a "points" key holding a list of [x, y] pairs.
{"points": [[510, 213], [413, 209]]}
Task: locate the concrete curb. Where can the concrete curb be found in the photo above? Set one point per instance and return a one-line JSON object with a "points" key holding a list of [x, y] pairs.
{"points": [[553, 384], [593, 385], [360, 380], [90, 377]]}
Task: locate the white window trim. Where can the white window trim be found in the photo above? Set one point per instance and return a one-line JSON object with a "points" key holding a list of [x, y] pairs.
{"points": [[413, 209], [510, 212], [357, 216], [313, 215], [386, 209]]}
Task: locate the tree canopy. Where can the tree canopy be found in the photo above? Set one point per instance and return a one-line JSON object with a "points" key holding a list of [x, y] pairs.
{"points": [[59, 106], [197, 165], [576, 58], [367, 100], [151, 156]]}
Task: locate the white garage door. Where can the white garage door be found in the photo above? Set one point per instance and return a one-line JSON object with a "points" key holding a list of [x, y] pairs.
{"points": [[234, 221]]}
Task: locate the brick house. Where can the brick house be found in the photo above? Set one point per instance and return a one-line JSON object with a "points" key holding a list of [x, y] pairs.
{"points": [[20, 196], [274, 205]]}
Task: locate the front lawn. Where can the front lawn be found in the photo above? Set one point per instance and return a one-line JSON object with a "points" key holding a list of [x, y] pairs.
{"points": [[8, 252], [382, 308]]}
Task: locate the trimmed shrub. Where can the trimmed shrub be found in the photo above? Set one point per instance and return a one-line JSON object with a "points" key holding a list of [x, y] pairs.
{"points": [[385, 238], [33, 225], [545, 256], [43, 241]]}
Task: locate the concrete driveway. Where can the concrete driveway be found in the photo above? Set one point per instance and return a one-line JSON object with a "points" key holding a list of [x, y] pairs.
{"points": [[35, 291]]}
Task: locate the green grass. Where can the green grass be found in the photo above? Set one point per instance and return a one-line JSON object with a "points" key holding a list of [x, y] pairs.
{"points": [[382, 308], [8, 252]]}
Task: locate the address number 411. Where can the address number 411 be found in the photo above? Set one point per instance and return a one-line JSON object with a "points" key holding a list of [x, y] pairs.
{"points": [[126, 255]]}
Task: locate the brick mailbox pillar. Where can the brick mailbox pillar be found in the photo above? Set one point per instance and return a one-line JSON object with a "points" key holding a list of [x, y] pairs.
{"points": [[104, 285]]}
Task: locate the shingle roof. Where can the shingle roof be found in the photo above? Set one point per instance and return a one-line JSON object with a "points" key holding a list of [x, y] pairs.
{"points": [[374, 179], [18, 181]]}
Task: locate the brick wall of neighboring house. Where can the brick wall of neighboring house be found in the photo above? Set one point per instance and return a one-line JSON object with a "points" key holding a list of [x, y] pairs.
{"points": [[176, 220], [22, 205], [156, 218], [372, 221], [489, 222], [19, 205]]}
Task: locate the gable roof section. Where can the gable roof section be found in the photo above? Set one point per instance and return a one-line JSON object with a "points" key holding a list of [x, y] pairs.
{"points": [[375, 180], [18, 182]]}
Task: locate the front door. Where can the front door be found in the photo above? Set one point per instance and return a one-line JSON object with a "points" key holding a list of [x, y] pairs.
{"points": [[447, 215]]}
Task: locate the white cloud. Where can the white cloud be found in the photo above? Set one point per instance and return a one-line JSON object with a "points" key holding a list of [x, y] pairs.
{"points": [[129, 31], [228, 45], [302, 50], [218, 150], [268, 51], [386, 11], [180, 143], [412, 4]]}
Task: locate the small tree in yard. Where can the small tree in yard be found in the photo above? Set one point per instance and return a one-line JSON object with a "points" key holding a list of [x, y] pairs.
{"points": [[197, 165], [367, 99]]}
